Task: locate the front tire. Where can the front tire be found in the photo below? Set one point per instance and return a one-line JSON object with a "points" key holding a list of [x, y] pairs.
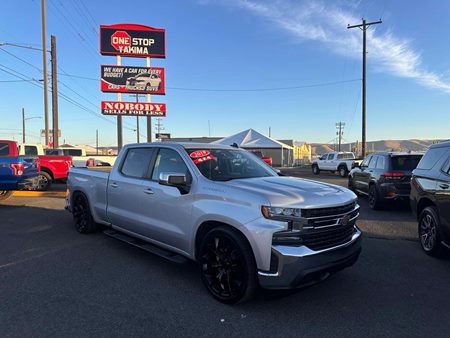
{"points": [[429, 232], [82, 217], [227, 265], [4, 194], [315, 169]]}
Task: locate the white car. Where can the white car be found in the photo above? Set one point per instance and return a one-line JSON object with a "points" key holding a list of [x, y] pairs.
{"points": [[144, 81]]}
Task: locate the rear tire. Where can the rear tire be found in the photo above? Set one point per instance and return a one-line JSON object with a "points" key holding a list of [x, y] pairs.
{"points": [[227, 265], [4, 194], [44, 181], [82, 217], [375, 202], [343, 171], [315, 169], [430, 232]]}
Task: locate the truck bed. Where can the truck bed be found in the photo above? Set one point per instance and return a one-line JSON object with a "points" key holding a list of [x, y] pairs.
{"points": [[94, 180]]}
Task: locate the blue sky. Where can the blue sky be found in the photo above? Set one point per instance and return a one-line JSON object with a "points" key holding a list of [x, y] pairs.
{"points": [[242, 46]]}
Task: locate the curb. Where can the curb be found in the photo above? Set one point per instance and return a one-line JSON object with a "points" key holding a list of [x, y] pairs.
{"points": [[39, 193]]}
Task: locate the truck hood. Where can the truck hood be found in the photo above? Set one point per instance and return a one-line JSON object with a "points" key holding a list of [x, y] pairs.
{"points": [[295, 192]]}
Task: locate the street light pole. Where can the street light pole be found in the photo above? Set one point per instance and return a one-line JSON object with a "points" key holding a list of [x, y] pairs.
{"points": [[23, 125]]}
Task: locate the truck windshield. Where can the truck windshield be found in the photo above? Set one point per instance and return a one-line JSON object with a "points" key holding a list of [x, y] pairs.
{"points": [[229, 164]]}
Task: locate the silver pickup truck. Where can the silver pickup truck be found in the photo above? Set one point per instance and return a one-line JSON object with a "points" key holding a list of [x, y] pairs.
{"points": [[224, 208]]}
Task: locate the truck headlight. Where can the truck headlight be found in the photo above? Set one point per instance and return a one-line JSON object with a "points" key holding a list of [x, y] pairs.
{"points": [[281, 213]]}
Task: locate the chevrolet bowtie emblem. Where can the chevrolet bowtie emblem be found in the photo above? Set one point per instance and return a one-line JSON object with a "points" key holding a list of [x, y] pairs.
{"points": [[344, 220]]}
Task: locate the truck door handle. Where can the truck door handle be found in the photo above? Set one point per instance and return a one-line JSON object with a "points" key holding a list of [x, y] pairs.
{"points": [[444, 186], [113, 185], [149, 191]]}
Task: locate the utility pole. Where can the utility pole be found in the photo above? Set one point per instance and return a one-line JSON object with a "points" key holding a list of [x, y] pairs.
{"points": [[149, 118], [44, 66], [339, 127], [23, 125], [54, 94], [119, 117], [137, 121], [270, 132], [364, 27], [159, 127], [96, 140]]}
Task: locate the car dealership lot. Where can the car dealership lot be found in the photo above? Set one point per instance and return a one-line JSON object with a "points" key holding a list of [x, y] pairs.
{"points": [[55, 282]]}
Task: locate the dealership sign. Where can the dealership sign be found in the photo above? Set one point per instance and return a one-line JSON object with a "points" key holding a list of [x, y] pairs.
{"points": [[133, 108], [131, 79], [133, 40]]}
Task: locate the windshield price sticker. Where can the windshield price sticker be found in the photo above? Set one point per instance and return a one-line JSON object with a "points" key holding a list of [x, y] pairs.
{"points": [[203, 159], [199, 153]]}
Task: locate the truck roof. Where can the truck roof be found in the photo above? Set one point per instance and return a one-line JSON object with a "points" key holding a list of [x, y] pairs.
{"points": [[186, 145]]}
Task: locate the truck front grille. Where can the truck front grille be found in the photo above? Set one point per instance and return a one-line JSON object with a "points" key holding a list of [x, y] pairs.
{"points": [[323, 212], [324, 239], [321, 228]]}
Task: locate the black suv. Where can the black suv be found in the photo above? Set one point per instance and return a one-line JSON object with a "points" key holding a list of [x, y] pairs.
{"points": [[384, 176], [430, 198]]}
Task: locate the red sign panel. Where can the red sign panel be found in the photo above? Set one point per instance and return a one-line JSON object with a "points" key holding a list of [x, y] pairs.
{"points": [[133, 108], [131, 79], [133, 40]]}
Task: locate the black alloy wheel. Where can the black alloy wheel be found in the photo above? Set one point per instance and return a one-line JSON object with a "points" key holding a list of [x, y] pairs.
{"points": [[82, 217], [4, 194], [374, 198], [429, 232], [227, 266], [147, 87]]}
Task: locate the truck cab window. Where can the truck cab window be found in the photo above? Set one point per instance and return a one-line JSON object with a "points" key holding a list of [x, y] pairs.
{"points": [[31, 150], [168, 161], [137, 162]]}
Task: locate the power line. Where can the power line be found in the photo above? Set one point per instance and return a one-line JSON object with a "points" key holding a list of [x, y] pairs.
{"points": [[323, 84]]}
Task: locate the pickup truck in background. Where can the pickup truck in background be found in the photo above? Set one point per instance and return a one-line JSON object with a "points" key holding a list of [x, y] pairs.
{"points": [[52, 168], [220, 206], [79, 156], [16, 172], [341, 162]]}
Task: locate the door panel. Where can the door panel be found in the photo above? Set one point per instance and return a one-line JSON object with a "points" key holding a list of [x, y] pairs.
{"points": [[128, 203], [361, 179]]}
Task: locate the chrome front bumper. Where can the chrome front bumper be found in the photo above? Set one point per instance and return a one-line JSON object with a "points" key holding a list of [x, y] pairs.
{"points": [[299, 266]]}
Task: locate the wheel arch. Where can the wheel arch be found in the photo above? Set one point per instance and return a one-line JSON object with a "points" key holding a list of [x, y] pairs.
{"points": [[423, 203], [207, 226], [48, 171]]}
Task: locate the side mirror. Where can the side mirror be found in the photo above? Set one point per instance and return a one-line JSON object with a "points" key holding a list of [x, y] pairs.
{"points": [[172, 179]]}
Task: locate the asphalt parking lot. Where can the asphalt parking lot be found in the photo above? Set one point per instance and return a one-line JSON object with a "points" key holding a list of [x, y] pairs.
{"points": [[55, 282]]}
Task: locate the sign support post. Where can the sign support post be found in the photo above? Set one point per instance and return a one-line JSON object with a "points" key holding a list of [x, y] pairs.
{"points": [[149, 118], [119, 117]]}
